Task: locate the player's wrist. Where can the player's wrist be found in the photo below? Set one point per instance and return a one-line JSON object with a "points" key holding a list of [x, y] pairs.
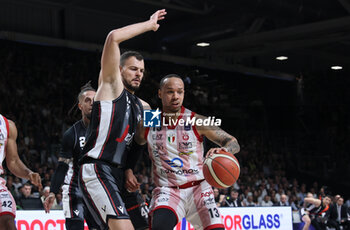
{"points": [[29, 174]]}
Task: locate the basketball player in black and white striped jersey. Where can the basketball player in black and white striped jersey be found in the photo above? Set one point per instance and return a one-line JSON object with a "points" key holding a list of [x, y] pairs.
{"points": [[113, 122]]}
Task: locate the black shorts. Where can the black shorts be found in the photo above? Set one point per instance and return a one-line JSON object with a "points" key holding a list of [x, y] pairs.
{"points": [[100, 184]]}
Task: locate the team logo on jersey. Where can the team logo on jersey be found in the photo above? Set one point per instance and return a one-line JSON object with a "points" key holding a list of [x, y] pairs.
{"points": [[187, 127], [175, 163], [157, 137], [121, 209], [158, 146], [185, 145], [151, 118], [76, 212], [171, 138], [185, 136]]}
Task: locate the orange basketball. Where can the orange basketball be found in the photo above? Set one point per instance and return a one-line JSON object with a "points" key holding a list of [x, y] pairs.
{"points": [[221, 170]]}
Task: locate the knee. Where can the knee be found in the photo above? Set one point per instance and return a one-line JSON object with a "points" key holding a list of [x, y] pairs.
{"points": [[163, 219], [160, 224], [307, 222], [7, 222]]}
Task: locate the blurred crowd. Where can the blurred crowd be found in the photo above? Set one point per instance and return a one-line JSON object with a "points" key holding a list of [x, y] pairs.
{"points": [[39, 88]]}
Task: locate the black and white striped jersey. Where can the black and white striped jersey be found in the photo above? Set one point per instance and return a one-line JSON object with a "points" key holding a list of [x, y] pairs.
{"points": [[112, 127]]}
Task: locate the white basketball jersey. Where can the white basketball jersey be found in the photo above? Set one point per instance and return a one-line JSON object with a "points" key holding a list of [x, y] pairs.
{"points": [[176, 153], [4, 133]]}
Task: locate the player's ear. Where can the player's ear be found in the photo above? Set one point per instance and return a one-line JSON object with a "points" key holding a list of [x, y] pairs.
{"points": [[120, 68], [79, 106], [159, 94]]}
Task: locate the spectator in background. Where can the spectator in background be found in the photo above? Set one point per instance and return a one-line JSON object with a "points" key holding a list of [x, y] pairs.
{"points": [[249, 202], [232, 200], [266, 202], [27, 200], [283, 201], [338, 216], [58, 205], [219, 198], [294, 203], [25, 191], [12, 189], [46, 193]]}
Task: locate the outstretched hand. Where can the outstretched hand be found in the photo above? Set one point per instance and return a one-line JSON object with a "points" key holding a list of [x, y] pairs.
{"points": [[35, 179], [157, 16], [49, 202]]}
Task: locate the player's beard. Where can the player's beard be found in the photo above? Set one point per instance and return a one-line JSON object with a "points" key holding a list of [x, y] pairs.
{"points": [[130, 87]]}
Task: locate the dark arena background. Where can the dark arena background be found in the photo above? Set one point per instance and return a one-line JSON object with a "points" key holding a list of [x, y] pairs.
{"points": [[290, 115]]}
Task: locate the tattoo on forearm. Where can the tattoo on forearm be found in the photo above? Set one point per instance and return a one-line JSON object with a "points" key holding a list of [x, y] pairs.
{"points": [[226, 141], [232, 147]]}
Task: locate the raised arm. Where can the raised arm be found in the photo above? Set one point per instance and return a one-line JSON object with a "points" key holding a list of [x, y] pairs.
{"points": [[110, 83], [219, 137], [14, 163], [312, 200]]}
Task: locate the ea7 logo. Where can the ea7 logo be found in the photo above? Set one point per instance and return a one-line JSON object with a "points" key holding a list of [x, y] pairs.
{"points": [[157, 137]]}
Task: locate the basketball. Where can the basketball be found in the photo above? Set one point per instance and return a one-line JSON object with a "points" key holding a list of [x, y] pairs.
{"points": [[221, 170]]}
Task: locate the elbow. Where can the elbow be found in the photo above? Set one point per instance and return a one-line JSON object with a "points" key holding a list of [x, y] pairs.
{"points": [[238, 147], [115, 36]]}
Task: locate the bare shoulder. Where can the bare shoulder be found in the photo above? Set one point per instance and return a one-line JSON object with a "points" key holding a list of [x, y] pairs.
{"points": [[12, 125], [145, 104], [12, 129]]}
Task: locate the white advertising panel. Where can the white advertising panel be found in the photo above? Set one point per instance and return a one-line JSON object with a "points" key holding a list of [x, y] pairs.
{"points": [[250, 218], [245, 218]]}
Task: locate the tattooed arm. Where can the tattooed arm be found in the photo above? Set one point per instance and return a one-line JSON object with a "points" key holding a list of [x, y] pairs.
{"points": [[219, 137]]}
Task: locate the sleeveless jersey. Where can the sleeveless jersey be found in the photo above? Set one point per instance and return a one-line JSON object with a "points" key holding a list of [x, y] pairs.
{"points": [[112, 127], [72, 146], [312, 209], [4, 134], [176, 153]]}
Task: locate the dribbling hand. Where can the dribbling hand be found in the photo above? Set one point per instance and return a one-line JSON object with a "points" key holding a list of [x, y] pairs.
{"points": [[157, 16], [214, 151]]}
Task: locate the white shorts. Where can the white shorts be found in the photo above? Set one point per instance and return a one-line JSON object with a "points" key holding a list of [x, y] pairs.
{"points": [[196, 204], [7, 203]]}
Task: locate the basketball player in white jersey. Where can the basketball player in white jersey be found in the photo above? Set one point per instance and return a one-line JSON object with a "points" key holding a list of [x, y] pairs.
{"points": [[177, 153], [8, 150]]}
